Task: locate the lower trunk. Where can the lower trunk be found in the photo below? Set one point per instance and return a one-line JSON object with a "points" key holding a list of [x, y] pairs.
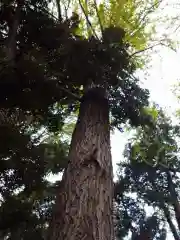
{"points": [[169, 220], [84, 204], [174, 197]]}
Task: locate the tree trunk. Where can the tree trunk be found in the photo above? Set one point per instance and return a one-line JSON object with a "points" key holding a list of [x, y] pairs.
{"points": [[174, 197], [171, 225], [145, 230], [59, 10], [143, 236], [13, 28], [84, 205]]}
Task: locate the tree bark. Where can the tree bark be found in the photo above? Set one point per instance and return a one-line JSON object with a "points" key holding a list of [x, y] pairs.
{"points": [[174, 197], [84, 206]]}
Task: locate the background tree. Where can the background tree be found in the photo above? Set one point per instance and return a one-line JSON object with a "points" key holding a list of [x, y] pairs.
{"points": [[28, 116], [149, 175]]}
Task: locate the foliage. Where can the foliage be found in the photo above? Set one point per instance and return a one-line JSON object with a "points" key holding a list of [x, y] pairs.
{"points": [[132, 16], [25, 194]]}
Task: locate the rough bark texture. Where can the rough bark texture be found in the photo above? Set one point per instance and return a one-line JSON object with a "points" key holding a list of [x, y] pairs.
{"points": [[84, 204]]}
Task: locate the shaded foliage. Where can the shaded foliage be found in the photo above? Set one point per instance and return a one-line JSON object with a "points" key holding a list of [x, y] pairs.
{"points": [[149, 177]]}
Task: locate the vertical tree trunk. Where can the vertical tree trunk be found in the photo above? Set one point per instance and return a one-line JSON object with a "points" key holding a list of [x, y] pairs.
{"points": [[174, 197], [84, 204], [13, 28], [169, 220], [59, 10], [168, 217]]}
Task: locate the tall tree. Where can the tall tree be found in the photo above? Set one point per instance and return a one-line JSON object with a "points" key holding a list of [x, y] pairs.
{"points": [[102, 65]]}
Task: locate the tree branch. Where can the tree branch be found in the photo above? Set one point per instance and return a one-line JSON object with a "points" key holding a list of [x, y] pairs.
{"points": [[59, 10], [70, 93], [145, 49], [146, 12], [44, 11], [151, 47], [87, 19], [99, 19]]}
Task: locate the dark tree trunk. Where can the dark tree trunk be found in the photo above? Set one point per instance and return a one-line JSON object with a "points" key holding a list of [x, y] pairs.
{"points": [[168, 217], [174, 197], [169, 220], [145, 231], [58, 9], [143, 236], [84, 204], [13, 28]]}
